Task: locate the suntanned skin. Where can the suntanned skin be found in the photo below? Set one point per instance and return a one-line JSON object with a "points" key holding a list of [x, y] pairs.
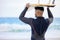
{"points": [[38, 25]]}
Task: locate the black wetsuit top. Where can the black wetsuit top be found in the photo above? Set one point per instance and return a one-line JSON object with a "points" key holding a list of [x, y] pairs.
{"points": [[38, 25]]}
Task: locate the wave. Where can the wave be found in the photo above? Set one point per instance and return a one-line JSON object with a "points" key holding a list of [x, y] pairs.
{"points": [[16, 25], [14, 28], [22, 28]]}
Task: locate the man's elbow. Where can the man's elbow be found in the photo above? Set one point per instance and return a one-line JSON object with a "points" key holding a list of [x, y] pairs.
{"points": [[51, 20], [20, 17], [51, 17]]}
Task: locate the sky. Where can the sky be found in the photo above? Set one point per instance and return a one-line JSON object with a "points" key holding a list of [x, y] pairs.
{"points": [[13, 8]]}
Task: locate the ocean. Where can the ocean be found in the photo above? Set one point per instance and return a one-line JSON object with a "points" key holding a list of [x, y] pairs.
{"points": [[16, 22], [13, 28]]}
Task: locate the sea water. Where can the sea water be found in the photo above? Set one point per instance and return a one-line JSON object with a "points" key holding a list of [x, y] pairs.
{"points": [[13, 28]]}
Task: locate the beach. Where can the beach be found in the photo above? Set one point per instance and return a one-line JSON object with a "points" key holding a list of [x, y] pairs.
{"points": [[27, 35], [29, 39]]}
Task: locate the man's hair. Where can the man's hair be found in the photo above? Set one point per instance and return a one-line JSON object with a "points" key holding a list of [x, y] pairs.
{"points": [[39, 8]]}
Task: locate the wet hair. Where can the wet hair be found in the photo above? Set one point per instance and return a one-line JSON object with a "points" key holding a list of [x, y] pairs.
{"points": [[39, 8]]}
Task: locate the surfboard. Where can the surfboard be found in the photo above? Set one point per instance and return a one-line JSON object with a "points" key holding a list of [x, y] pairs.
{"points": [[48, 5]]}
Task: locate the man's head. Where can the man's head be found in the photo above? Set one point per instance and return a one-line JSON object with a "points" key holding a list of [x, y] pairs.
{"points": [[39, 11]]}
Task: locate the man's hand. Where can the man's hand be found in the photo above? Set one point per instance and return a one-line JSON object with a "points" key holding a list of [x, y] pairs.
{"points": [[27, 5]]}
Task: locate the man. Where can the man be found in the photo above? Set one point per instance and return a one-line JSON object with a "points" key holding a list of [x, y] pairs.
{"points": [[38, 25]]}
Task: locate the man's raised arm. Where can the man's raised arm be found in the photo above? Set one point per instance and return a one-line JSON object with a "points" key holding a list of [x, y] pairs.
{"points": [[23, 13], [24, 19], [50, 16]]}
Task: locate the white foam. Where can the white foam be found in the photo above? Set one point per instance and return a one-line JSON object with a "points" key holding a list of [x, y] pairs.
{"points": [[7, 27]]}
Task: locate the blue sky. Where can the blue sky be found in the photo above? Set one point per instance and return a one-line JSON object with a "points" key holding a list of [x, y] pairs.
{"points": [[13, 8]]}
